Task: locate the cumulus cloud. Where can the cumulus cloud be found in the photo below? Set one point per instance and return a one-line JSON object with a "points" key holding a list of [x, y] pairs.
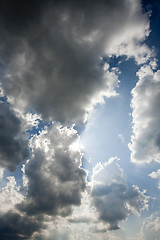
{"points": [[50, 64], [16, 226], [112, 197], [13, 142], [150, 228], [50, 52], [145, 141], [10, 195], [55, 180]]}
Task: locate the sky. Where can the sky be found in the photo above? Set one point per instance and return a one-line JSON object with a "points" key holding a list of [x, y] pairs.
{"points": [[79, 120]]}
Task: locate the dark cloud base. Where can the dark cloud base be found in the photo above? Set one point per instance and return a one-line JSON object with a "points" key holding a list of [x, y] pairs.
{"points": [[13, 142]]}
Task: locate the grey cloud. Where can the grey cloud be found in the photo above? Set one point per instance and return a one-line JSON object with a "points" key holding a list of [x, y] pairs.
{"points": [[51, 56], [79, 220], [111, 206], [13, 142], [114, 200], [55, 179], [18, 227], [97, 230]]}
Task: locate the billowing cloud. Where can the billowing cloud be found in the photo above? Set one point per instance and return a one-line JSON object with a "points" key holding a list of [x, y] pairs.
{"points": [[13, 142], [113, 199], [16, 226], [55, 180], [10, 195], [150, 228], [50, 53], [145, 142]]}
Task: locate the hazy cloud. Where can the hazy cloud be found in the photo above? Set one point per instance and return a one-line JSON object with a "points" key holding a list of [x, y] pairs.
{"points": [[1, 172], [50, 69]]}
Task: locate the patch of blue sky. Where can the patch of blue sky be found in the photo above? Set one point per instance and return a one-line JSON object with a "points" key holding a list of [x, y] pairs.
{"points": [[154, 36], [41, 125], [109, 131], [17, 174], [3, 99]]}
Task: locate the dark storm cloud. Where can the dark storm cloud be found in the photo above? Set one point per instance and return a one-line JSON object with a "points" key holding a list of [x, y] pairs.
{"points": [[16, 15], [13, 144], [50, 53], [18, 227], [55, 179]]}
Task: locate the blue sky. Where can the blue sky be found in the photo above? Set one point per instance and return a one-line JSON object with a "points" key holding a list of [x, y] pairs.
{"points": [[79, 120]]}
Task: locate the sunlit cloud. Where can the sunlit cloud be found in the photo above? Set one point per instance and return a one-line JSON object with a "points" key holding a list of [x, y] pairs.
{"points": [[61, 63]]}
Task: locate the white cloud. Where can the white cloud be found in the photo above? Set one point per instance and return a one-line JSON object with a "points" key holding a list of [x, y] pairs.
{"points": [[121, 137], [150, 228], [50, 65], [10, 195], [1, 172], [145, 141], [156, 175]]}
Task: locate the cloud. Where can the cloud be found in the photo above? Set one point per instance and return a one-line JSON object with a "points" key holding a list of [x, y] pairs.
{"points": [[1, 172], [150, 228], [121, 137], [156, 175], [79, 220], [50, 53], [112, 198], [145, 141], [10, 195], [55, 180], [53, 184], [16, 226], [13, 142]]}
